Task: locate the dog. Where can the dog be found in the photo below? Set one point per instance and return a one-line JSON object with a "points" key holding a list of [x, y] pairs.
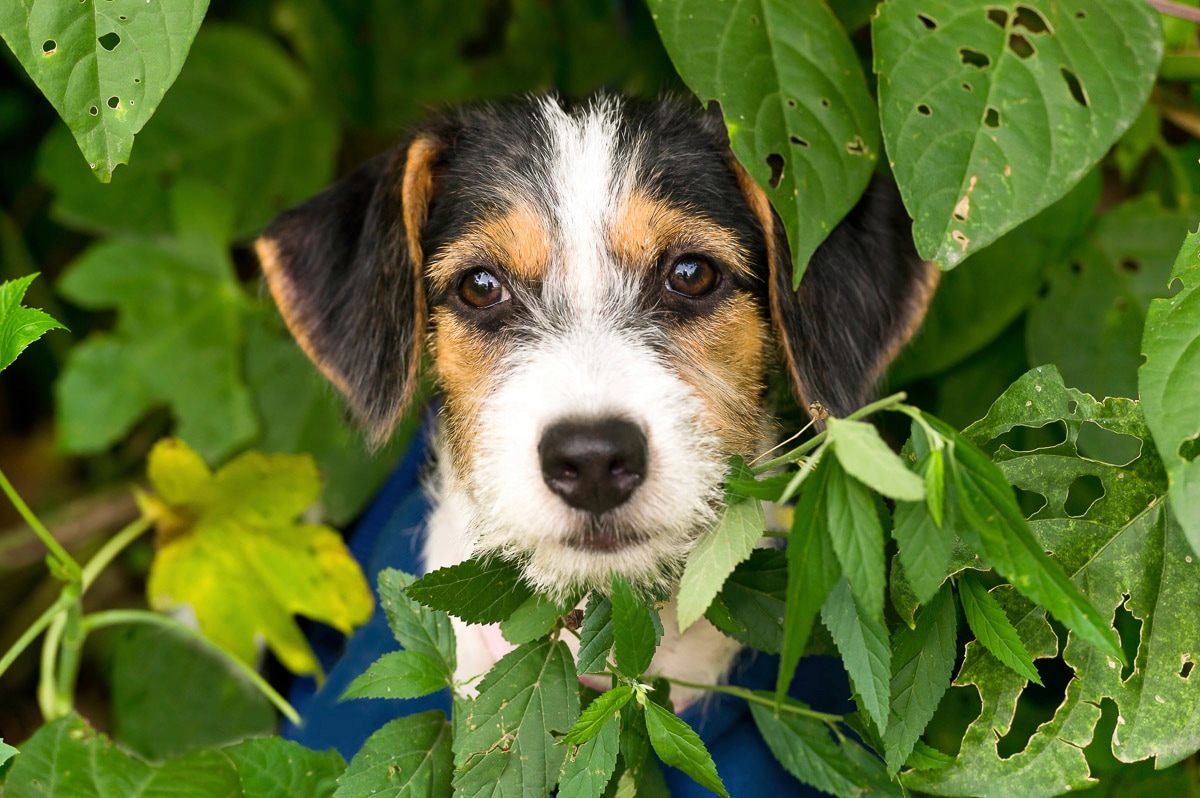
{"points": [[601, 292]]}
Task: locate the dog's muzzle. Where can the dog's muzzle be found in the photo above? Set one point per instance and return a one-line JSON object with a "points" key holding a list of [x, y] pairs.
{"points": [[593, 465]]}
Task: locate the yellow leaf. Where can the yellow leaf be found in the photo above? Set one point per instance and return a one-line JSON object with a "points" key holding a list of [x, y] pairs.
{"points": [[231, 547]]}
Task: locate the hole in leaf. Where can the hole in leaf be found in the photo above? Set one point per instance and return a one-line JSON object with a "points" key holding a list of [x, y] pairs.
{"points": [[991, 116], [1186, 670], [1036, 705], [975, 58], [791, 103], [1031, 20], [114, 101], [967, 86], [1085, 491], [1114, 448], [775, 161], [1189, 448], [998, 16], [1030, 439], [1021, 46], [109, 41], [49, 46], [957, 710], [122, 17], [1072, 406], [137, 80], [1081, 14], [753, 19], [825, 102], [799, 142], [856, 147], [1075, 87], [93, 110], [1131, 266], [924, 110], [1029, 502], [929, 22], [1076, 267], [1129, 628]]}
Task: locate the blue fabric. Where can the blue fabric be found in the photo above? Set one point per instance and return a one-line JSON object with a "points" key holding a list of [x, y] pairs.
{"points": [[389, 536]]}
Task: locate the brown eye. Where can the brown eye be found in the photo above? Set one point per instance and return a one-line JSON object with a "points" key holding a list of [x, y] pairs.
{"points": [[482, 289], [693, 276]]}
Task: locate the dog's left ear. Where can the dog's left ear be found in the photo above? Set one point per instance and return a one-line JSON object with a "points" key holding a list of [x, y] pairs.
{"points": [[862, 297], [345, 270]]}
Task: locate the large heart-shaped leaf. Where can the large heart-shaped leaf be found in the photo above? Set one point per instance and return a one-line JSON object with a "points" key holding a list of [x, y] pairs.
{"points": [[103, 64], [993, 110], [795, 101]]}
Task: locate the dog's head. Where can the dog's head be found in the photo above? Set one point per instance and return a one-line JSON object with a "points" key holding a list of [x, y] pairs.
{"points": [[603, 290]]}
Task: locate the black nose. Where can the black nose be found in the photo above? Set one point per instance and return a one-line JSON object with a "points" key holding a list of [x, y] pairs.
{"points": [[593, 465]]}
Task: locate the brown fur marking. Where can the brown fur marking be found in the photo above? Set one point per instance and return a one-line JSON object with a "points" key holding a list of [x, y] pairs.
{"points": [[644, 228], [467, 363], [517, 242]]}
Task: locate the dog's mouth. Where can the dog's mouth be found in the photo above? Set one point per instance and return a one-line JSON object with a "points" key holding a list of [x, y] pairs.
{"points": [[604, 538]]}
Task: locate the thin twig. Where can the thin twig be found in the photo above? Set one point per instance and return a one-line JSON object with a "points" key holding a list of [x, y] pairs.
{"points": [[750, 695], [55, 547], [35, 629], [72, 525], [1175, 10], [819, 438]]}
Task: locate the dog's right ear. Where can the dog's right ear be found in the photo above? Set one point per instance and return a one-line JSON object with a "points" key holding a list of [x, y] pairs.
{"points": [[345, 270]]}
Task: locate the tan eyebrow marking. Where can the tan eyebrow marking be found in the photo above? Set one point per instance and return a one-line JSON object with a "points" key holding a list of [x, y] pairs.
{"points": [[517, 241], [645, 227]]}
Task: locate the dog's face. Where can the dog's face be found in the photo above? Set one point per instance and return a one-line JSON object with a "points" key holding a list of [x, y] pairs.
{"points": [[602, 289]]}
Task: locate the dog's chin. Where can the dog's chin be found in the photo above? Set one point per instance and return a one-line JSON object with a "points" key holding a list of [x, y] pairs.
{"points": [[600, 536]]}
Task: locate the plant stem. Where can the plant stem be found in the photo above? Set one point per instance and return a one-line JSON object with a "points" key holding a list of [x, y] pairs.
{"points": [[751, 696], [819, 438], [98, 620], [56, 549], [112, 547], [69, 656], [47, 684], [29, 635]]}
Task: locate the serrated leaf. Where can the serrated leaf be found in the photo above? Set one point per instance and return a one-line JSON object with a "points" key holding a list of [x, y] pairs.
{"points": [[533, 618], [231, 548], [506, 746], [635, 635], [857, 536], [596, 634], [171, 298], [588, 768], [416, 628], [1050, 90], [751, 606], [407, 758], [262, 142], [926, 757], [795, 101], [992, 628], [680, 747], [478, 591], [865, 456], [922, 661], [20, 326], [103, 66], [598, 713], [398, 674], [1170, 387], [767, 489], [271, 767], [715, 556], [863, 643], [925, 548]]}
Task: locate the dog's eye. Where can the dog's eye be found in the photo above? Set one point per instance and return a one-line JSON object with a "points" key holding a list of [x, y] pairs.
{"points": [[482, 289], [693, 276]]}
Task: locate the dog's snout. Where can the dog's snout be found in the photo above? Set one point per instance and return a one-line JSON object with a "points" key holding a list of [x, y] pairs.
{"points": [[594, 465]]}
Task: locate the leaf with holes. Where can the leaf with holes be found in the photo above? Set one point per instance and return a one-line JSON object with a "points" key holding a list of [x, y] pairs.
{"points": [[991, 112], [1124, 550], [20, 326], [796, 104], [407, 758], [104, 66], [1170, 386]]}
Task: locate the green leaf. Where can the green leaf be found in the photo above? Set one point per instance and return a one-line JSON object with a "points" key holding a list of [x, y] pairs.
{"points": [[416, 628], [1169, 383], [925, 547], [398, 674], [104, 67], [635, 635], [230, 547], [926, 757], [863, 643], [812, 570], [19, 326], [597, 714], [408, 757], [7, 752], [588, 768], [478, 591], [177, 343], [680, 747], [922, 661], [715, 556], [992, 627], [806, 749], [242, 119], [271, 767], [534, 618], [750, 607], [596, 634], [506, 744], [793, 95], [641, 775], [857, 537], [1050, 90], [865, 456]]}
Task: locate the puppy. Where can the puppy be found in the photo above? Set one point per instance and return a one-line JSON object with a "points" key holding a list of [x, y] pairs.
{"points": [[602, 290]]}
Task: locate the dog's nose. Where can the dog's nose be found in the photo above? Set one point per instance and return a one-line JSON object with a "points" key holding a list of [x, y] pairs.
{"points": [[593, 465]]}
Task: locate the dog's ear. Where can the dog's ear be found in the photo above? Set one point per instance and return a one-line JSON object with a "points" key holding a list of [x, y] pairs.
{"points": [[862, 297], [345, 270]]}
